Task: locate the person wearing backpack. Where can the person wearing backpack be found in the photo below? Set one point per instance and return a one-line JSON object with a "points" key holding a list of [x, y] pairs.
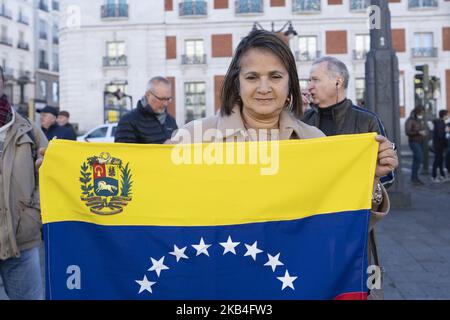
{"points": [[20, 218]]}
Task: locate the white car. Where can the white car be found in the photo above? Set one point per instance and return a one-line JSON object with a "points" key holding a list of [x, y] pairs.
{"points": [[102, 133]]}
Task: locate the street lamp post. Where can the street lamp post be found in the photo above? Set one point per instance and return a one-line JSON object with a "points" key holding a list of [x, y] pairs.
{"points": [[290, 32], [382, 90]]}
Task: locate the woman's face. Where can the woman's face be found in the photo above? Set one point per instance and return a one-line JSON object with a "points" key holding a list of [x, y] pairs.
{"points": [[264, 83]]}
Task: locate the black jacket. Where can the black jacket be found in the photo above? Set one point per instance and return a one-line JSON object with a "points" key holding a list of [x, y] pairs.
{"points": [[350, 119], [141, 125], [439, 139], [58, 132]]}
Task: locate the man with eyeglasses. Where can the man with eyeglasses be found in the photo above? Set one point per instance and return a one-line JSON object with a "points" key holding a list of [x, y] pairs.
{"points": [[149, 122]]}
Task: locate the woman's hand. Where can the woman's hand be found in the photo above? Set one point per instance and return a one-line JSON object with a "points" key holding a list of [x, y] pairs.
{"points": [[40, 159], [387, 159]]}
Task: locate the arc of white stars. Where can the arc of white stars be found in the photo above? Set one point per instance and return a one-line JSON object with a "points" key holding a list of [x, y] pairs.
{"points": [[274, 262], [287, 281], [252, 250], [158, 266], [229, 246], [201, 247], [179, 253], [145, 285]]}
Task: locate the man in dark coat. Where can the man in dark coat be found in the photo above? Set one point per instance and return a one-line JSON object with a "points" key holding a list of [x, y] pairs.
{"points": [[149, 122]]}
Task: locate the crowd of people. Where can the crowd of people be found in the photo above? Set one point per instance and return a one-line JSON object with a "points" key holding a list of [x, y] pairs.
{"points": [[418, 131], [260, 94]]}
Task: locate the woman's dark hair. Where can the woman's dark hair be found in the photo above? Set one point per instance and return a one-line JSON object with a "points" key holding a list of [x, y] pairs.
{"points": [[418, 110], [443, 113], [264, 40]]}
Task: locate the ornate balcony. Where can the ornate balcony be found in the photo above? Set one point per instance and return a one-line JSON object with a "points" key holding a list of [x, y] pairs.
{"points": [[306, 6], [114, 11], [248, 6], [193, 60], [193, 8]]}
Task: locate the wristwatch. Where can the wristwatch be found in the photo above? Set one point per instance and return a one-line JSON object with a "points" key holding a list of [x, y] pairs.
{"points": [[377, 195]]}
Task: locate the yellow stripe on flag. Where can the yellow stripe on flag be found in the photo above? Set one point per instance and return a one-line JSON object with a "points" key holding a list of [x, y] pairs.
{"points": [[313, 176]]}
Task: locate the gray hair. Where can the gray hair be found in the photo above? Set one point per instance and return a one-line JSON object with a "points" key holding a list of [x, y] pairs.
{"points": [[156, 80], [336, 67]]}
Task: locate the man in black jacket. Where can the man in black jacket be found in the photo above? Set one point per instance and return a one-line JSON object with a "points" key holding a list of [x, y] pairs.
{"points": [[439, 145], [330, 110], [149, 122]]}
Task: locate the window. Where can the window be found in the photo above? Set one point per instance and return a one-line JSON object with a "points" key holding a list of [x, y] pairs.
{"points": [[42, 29], [423, 45], [195, 100], [98, 133], [115, 9], [195, 52], [115, 54], [359, 5], [360, 87], [115, 49], [55, 91], [422, 4], [192, 8], [307, 48], [43, 89], [362, 46], [249, 6], [305, 5]]}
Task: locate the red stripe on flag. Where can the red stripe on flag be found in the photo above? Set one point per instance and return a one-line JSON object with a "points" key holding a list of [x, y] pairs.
{"points": [[352, 296]]}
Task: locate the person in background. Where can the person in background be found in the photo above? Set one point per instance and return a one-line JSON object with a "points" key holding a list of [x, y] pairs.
{"points": [[20, 216], [63, 121], [415, 130], [439, 145], [51, 128], [149, 122]]}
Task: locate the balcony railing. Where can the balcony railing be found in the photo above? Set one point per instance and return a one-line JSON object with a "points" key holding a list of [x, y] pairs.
{"points": [[43, 6], [359, 5], [249, 6], [23, 19], [55, 67], [306, 6], [120, 61], [412, 4], [196, 59], [303, 56], [43, 35], [43, 65], [114, 11], [5, 12], [8, 72], [193, 8], [359, 54], [55, 40], [23, 45], [25, 75], [427, 52], [6, 41]]}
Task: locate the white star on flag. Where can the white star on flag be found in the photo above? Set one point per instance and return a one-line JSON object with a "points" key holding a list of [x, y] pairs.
{"points": [[287, 281], [158, 265], [229, 246], [201, 247], [274, 262], [252, 250], [179, 253], [145, 285]]}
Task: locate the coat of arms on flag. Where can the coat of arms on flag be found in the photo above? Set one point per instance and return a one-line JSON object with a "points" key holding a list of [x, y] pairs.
{"points": [[105, 184]]}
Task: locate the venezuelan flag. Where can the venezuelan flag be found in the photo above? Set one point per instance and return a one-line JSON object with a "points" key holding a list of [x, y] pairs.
{"points": [[285, 220]]}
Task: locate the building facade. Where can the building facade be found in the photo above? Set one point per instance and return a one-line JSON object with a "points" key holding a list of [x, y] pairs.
{"points": [[118, 44], [20, 47], [46, 54]]}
